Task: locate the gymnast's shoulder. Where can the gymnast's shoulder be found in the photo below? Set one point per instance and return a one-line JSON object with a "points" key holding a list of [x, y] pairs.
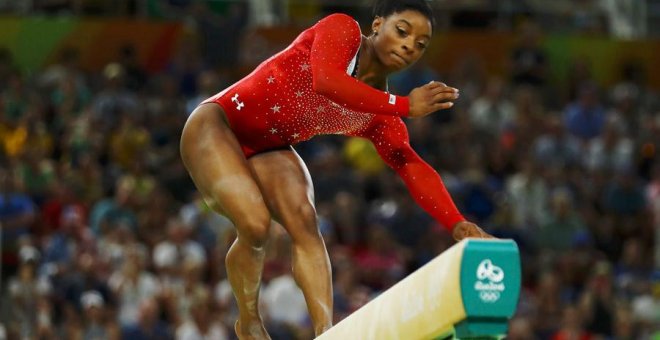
{"points": [[338, 20]]}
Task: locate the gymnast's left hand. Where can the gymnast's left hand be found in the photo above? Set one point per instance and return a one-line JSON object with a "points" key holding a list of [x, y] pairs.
{"points": [[465, 229]]}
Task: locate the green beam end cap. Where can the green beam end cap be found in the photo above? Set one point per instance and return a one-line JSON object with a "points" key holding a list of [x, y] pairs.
{"points": [[490, 286]]}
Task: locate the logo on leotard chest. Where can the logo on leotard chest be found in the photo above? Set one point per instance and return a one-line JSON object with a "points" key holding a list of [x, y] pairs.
{"points": [[239, 105]]}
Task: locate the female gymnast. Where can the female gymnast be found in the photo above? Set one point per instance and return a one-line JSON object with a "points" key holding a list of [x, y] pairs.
{"points": [[237, 145]]}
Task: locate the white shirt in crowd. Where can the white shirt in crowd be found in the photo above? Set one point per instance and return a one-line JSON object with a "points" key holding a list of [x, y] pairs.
{"points": [[189, 331]]}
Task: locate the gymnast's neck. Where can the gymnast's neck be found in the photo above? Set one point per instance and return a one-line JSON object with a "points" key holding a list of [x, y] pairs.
{"points": [[370, 70]]}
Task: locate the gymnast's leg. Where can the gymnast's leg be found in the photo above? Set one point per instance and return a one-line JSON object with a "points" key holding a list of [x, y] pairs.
{"points": [[213, 157], [287, 187]]}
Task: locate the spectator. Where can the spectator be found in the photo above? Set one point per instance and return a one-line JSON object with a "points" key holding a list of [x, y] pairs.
{"points": [[529, 60], [549, 304], [13, 133], [653, 198], [345, 282], [521, 329], [17, 213], [405, 81], [381, 260], [132, 285], [588, 17], [611, 151], [207, 84], [579, 73], [627, 111], [403, 221], [632, 275], [646, 314], [478, 192], [72, 238], [86, 274], [135, 75], [204, 323], [555, 147], [562, 226], [95, 318], [624, 196], [597, 303], [128, 141], [114, 100], [154, 213], [67, 80], [285, 302], [147, 325], [61, 198], [31, 312], [528, 193], [585, 118], [179, 298], [571, 326], [116, 210], [206, 225], [492, 110], [36, 171], [178, 247]]}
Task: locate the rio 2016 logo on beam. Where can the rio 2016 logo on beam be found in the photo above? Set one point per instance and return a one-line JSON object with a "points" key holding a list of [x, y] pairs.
{"points": [[489, 281]]}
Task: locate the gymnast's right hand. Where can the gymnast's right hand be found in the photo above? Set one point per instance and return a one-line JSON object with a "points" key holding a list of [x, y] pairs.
{"points": [[431, 97], [465, 229]]}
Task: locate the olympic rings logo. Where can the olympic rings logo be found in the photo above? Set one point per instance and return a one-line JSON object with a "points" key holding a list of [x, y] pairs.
{"points": [[487, 270], [489, 296]]}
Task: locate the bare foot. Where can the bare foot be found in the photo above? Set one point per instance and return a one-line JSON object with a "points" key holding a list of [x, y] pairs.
{"points": [[254, 331]]}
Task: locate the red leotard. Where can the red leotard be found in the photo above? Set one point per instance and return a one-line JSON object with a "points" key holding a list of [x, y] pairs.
{"points": [[306, 90]]}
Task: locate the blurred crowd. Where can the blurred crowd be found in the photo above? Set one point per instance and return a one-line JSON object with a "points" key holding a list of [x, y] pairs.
{"points": [[104, 236], [624, 19]]}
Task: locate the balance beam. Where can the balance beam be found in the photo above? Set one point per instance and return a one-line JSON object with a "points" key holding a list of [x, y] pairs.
{"points": [[469, 291]]}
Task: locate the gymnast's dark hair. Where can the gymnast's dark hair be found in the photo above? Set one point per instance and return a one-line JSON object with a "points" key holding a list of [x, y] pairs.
{"points": [[383, 8]]}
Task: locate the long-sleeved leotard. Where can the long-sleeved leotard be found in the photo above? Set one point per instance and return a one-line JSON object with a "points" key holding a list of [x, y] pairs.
{"points": [[307, 90]]}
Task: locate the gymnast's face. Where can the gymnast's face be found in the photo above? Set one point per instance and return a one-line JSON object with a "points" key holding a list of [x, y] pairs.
{"points": [[401, 38]]}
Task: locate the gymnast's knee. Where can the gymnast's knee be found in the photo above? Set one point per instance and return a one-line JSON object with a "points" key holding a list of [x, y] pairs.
{"points": [[254, 229]]}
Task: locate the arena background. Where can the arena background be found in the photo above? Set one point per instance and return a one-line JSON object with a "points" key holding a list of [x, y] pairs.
{"points": [[554, 143]]}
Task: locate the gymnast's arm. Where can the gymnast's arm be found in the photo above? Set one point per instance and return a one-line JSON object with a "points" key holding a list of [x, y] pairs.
{"points": [[390, 137]]}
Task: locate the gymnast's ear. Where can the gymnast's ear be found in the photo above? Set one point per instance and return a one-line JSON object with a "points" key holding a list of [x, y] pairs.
{"points": [[376, 24]]}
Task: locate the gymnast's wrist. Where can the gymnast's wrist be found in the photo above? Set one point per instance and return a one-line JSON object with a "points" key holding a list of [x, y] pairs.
{"points": [[402, 106], [453, 220]]}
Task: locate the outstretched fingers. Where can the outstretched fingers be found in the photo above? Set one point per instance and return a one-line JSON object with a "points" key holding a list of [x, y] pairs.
{"points": [[444, 96], [435, 85], [442, 106]]}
